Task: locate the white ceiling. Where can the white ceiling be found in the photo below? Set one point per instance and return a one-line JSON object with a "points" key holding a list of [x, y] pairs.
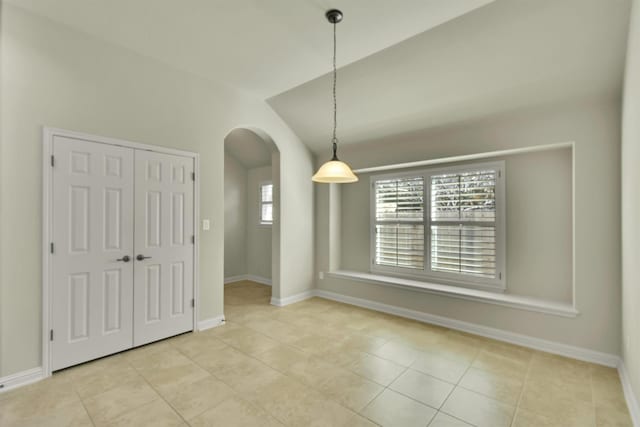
{"points": [[404, 65], [263, 46], [506, 55], [248, 148]]}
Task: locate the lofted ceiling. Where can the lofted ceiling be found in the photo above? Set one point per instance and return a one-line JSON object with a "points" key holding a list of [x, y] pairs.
{"points": [[504, 56], [262, 46], [248, 148], [404, 65]]}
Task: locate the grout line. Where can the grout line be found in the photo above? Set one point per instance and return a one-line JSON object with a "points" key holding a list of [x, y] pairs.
{"points": [[524, 387]]}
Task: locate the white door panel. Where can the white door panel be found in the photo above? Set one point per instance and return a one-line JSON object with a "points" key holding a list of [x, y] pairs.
{"points": [[164, 225], [92, 292]]}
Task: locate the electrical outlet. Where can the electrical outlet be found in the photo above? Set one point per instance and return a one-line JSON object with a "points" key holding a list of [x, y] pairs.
{"points": [[206, 224]]}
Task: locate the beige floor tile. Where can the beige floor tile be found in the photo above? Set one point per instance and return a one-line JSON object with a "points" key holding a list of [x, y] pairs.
{"points": [[314, 344], [524, 418], [350, 390], [315, 364], [234, 412], [249, 342], [154, 414], [551, 399], [397, 352], [376, 369], [423, 388], [195, 398], [477, 409], [103, 380], [111, 404], [37, 401], [245, 374], [167, 380], [70, 414], [391, 409], [607, 416], [493, 362], [282, 357], [312, 371], [432, 363], [192, 345], [501, 387], [444, 420], [340, 355]]}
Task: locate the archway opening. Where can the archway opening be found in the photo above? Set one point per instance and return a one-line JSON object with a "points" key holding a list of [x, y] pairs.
{"points": [[252, 220]]}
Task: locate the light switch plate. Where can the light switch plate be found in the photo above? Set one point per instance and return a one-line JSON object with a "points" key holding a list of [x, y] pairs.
{"points": [[206, 224]]}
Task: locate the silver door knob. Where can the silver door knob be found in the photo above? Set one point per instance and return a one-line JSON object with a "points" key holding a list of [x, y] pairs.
{"points": [[142, 257]]}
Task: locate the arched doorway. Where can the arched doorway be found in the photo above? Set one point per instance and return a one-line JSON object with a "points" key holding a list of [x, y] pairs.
{"points": [[252, 217]]}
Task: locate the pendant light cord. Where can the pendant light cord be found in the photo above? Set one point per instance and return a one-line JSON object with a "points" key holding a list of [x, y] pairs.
{"points": [[335, 102]]}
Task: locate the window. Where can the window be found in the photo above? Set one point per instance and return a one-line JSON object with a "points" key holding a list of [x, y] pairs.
{"points": [[442, 224], [266, 203]]}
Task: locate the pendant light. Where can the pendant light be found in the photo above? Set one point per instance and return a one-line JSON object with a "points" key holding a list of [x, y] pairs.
{"points": [[334, 171]]}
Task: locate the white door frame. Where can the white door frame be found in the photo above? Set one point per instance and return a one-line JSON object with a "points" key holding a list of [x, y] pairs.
{"points": [[48, 134]]}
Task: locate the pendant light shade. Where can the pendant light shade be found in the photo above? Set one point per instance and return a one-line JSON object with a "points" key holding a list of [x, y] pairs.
{"points": [[334, 171]]}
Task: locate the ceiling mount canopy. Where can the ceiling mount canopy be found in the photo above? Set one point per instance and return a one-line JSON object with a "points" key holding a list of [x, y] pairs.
{"points": [[334, 171]]}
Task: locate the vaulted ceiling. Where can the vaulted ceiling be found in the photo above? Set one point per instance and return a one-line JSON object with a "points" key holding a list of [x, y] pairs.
{"points": [[404, 65]]}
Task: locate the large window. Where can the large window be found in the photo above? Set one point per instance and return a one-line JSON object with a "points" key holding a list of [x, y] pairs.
{"points": [[266, 203], [445, 224]]}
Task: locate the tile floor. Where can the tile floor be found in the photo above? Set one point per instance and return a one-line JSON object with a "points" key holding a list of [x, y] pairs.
{"points": [[321, 363]]}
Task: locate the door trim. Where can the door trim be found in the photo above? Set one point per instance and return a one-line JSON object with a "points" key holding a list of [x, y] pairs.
{"points": [[48, 133]]}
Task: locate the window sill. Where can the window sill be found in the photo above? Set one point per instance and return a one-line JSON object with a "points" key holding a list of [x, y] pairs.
{"points": [[506, 300]]}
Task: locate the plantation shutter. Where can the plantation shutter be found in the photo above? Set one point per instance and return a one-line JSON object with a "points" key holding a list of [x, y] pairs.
{"points": [[399, 222], [463, 223], [266, 203]]}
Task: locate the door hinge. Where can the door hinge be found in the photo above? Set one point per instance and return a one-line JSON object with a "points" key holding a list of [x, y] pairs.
{"points": [[193, 303], [51, 247], [500, 276], [53, 160], [193, 239], [499, 174], [51, 335], [193, 176]]}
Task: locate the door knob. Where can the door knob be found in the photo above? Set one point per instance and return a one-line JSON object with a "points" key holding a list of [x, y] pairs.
{"points": [[142, 257], [125, 258]]}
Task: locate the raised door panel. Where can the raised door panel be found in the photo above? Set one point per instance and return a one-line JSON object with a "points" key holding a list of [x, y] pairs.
{"points": [[163, 230], [92, 228]]}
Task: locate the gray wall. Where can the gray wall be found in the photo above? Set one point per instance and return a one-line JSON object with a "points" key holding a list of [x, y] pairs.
{"points": [[235, 217], [539, 250], [55, 76], [594, 125], [631, 205], [258, 236]]}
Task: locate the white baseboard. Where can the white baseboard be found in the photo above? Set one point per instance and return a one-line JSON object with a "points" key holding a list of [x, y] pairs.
{"points": [[629, 395], [21, 378], [258, 279], [485, 331], [203, 325], [233, 279], [281, 302], [251, 277]]}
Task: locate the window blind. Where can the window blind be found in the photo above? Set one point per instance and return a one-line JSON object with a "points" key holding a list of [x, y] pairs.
{"points": [[399, 214], [266, 203], [463, 223]]}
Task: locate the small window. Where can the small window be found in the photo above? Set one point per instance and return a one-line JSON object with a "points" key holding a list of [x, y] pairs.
{"points": [[266, 203], [444, 224]]}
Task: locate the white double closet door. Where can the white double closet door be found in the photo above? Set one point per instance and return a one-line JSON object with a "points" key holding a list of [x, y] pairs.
{"points": [[122, 249]]}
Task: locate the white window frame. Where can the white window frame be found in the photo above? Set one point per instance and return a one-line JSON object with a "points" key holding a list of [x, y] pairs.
{"points": [[261, 222], [497, 284]]}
